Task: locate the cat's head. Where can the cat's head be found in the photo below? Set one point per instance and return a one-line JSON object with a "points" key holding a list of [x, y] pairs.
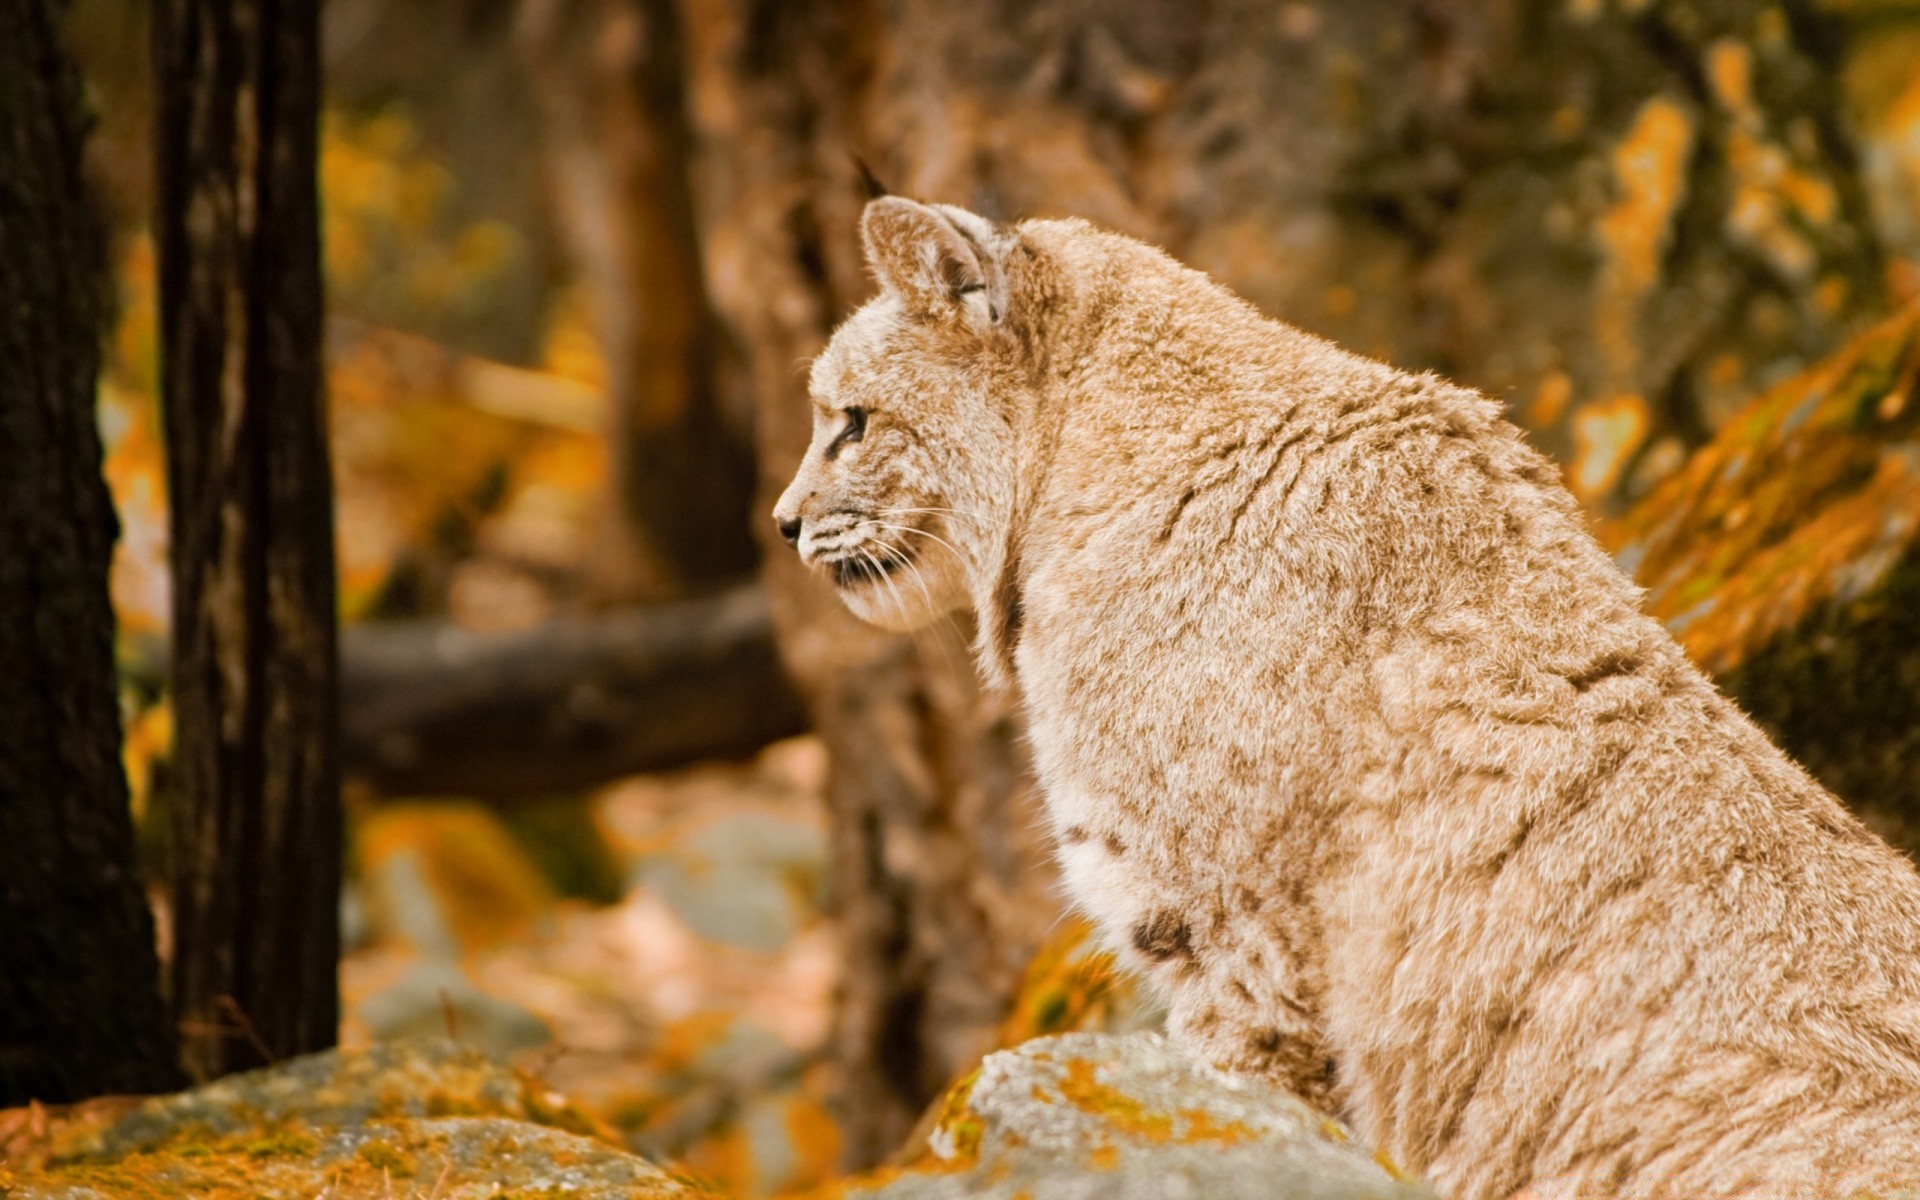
{"points": [[908, 487]]}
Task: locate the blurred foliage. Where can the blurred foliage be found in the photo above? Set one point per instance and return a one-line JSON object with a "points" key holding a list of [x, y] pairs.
{"points": [[466, 488], [464, 485], [393, 247]]}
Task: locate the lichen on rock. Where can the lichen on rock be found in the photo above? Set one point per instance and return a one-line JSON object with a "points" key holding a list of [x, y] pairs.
{"points": [[1785, 556], [404, 1119], [1129, 1117]]}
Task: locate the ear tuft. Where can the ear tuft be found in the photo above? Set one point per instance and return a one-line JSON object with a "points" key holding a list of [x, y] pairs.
{"points": [[869, 182], [921, 254]]}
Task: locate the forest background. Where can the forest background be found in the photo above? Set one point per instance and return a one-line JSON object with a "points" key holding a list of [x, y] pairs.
{"points": [[623, 795]]}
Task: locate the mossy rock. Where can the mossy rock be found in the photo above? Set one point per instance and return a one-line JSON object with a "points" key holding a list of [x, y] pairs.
{"points": [[402, 1119], [1103, 1117], [1785, 556]]}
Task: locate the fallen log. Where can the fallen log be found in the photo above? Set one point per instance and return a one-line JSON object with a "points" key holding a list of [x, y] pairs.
{"points": [[428, 708]]}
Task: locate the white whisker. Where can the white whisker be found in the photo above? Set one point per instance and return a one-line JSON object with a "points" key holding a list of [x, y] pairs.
{"points": [[906, 560], [902, 512], [884, 576], [923, 533]]}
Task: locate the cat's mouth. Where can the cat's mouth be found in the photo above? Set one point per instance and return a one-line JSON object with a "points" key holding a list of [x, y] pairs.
{"points": [[866, 567]]}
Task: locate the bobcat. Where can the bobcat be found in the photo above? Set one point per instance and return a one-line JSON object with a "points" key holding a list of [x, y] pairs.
{"points": [[1353, 739]]}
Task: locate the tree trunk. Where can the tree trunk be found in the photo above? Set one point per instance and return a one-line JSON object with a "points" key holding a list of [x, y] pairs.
{"points": [[1622, 217], [80, 1007], [609, 76], [942, 886], [257, 834]]}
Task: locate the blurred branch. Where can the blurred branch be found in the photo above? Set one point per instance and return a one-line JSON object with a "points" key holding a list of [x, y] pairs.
{"points": [[429, 708], [425, 367]]}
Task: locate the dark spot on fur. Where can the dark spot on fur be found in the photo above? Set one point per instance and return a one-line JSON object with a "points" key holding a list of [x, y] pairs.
{"points": [[1014, 613], [1267, 1041], [1608, 665], [1179, 510], [1248, 898], [1207, 1020], [1114, 845], [1073, 835], [1164, 936], [1242, 990]]}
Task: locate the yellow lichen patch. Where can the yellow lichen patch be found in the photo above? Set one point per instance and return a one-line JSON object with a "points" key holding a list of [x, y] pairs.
{"points": [[1649, 172], [1549, 401], [1070, 986], [1128, 1116], [1104, 1157], [1771, 198], [1801, 498], [1083, 1089], [1730, 74], [1605, 435], [959, 1128], [1200, 1126]]}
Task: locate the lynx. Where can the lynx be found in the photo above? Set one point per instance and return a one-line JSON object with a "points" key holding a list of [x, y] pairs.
{"points": [[1353, 739]]}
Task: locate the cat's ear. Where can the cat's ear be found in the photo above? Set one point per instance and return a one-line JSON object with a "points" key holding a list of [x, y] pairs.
{"points": [[931, 258]]}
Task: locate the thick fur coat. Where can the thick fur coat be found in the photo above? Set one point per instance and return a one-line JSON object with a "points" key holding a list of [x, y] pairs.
{"points": [[1354, 740]]}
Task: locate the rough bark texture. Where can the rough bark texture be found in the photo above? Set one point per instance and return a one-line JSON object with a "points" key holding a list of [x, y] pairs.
{"points": [[609, 75], [1621, 217], [1786, 558], [257, 833], [80, 1008], [942, 886], [574, 703]]}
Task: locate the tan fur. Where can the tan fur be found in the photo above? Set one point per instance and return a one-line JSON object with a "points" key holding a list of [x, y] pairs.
{"points": [[1356, 742]]}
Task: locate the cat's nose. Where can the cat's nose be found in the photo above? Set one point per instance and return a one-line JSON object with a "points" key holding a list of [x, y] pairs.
{"points": [[789, 530]]}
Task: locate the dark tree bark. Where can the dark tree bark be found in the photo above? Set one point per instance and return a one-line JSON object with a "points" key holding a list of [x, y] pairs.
{"points": [[1622, 217], [942, 886], [257, 834], [80, 1007], [609, 76]]}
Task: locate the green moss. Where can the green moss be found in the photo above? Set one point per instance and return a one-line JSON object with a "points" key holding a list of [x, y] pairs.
{"points": [[285, 1143], [383, 1157]]}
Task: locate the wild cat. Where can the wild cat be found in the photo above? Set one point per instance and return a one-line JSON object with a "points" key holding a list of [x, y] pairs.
{"points": [[1352, 737]]}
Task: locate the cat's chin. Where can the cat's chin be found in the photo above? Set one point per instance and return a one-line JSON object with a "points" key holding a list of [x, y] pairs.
{"points": [[895, 597]]}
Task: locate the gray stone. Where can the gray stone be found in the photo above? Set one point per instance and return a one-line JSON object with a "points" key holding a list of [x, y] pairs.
{"points": [[1101, 1117], [404, 1120]]}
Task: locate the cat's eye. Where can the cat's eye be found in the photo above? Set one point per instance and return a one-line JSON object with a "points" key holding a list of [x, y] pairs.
{"points": [[852, 431]]}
